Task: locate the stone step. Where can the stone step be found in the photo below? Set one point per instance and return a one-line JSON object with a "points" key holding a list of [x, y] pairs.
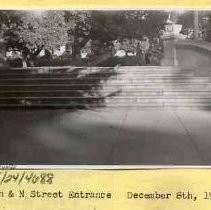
{"points": [[161, 106], [51, 100], [134, 76], [94, 67], [42, 93], [69, 87], [148, 68], [135, 100], [148, 86], [40, 70], [137, 72], [88, 70], [187, 93], [97, 76], [143, 93], [101, 72], [158, 104], [55, 75], [103, 82], [46, 87], [90, 98], [91, 71], [146, 106], [107, 100], [111, 87], [160, 94], [156, 72], [56, 70], [156, 80]]}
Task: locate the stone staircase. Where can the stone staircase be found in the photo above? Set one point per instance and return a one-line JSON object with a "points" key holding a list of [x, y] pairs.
{"points": [[159, 87]]}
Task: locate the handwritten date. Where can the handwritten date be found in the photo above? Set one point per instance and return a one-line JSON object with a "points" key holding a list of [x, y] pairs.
{"points": [[28, 177]]}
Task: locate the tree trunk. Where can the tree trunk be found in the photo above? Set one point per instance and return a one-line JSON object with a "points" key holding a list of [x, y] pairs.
{"points": [[32, 56], [36, 53], [75, 43], [76, 48]]}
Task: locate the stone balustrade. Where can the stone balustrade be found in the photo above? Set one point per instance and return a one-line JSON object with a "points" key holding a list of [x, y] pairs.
{"points": [[195, 55]]}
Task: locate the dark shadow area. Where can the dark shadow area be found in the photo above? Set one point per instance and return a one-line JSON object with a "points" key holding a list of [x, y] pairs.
{"points": [[122, 61], [46, 138], [153, 59], [54, 88], [196, 88], [204, 104]]}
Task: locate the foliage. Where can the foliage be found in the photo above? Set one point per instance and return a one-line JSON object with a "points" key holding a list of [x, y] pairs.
{"points": [[79, 23], [9, 22], [186, 19], [106, 26], [46, 30], [32, 31], [111, 25]]}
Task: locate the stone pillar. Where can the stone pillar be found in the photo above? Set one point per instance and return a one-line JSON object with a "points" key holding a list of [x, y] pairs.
{"points": [[196, 25], [169, 38]]}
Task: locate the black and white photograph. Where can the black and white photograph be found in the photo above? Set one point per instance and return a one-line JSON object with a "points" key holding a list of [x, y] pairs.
{"points": [[105, 87]]}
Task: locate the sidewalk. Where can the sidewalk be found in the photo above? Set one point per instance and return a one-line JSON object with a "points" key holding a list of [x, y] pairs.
{"points": [[109, 136]]}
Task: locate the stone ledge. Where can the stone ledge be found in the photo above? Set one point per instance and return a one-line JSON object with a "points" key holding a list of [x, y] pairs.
{"points": [[200, 46]]}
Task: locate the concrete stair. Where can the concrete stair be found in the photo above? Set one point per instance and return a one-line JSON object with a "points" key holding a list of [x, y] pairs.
{"points": [[85, 87]]}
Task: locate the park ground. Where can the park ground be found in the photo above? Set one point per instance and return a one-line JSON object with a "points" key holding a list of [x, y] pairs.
{"points": [[105, 136]]}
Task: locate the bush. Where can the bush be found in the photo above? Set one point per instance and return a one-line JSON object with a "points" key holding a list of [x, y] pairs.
{"points": [[17, 62], [60, 62], [123, 61]]}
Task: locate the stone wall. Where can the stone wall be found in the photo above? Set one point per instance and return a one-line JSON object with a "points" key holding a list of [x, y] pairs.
{"points": [[194, 55]]}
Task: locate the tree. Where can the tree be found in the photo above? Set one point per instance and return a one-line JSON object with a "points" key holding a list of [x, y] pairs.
{"points": [[79, 23], [45, 30], [32, 31], [186, 19], [206, 25], [106, 26], [111, 25], [8, 21]]}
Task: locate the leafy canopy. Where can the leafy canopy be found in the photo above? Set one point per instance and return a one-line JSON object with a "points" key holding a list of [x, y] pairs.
{"points": [[47, 29]]}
